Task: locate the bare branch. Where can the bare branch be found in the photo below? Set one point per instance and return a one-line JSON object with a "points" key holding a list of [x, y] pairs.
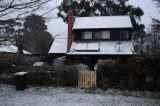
{"points": [[21, 8]]}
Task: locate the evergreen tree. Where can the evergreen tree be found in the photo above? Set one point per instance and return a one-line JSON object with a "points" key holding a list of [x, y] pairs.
{"points": [[84, 8], [36, 38], [35, 23]]}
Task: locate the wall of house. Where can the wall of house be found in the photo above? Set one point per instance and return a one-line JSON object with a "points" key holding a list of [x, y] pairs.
{"points": [[56, 59], [6, 57], [91, 60], [31, 59], [114, 34]]}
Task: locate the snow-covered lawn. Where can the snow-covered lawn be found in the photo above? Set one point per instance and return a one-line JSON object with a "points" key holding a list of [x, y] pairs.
{"points": [[51, 96]]}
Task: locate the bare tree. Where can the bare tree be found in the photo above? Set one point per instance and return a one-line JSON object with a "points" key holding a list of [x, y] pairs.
{"points": [[157, 2], [14, 12], [150, 43], [155, 32], [19, 9]]}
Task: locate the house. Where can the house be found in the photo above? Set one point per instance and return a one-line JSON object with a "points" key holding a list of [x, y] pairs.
{"points": [[58, 50], [8, 53], [10, 49], [93, 38]]}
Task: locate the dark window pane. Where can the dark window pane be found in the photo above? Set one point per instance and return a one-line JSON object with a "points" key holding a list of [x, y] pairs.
{"points": [[124, 35], [115, 35], [97, 35]]}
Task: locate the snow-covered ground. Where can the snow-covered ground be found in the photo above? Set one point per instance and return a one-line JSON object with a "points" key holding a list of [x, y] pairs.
{"points": [[51, 96]]}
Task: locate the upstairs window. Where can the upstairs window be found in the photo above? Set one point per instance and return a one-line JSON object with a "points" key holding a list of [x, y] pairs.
{"points": [[87, 35], [105, 34], [115, 35], [97, 35], [124, 34]]}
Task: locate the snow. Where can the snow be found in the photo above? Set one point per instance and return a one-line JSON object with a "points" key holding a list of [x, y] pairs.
{"points": [[93, 46], [20, 73], [62, 58], [81, 46], [51, 96], [39, 64], [87, 46], [59, 44], [11, 49], [102, 22], [105, 48], [82, 67]]}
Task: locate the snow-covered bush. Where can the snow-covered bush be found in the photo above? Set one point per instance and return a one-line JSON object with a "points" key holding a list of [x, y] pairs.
{"points": [[40, 64], [82, 67]]}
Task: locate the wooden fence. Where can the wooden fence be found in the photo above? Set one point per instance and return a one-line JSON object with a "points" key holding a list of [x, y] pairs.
{"points": [[87, 79]]}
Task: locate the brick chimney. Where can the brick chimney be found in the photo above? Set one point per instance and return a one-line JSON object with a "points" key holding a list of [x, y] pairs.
{"points": [[70, 24]]}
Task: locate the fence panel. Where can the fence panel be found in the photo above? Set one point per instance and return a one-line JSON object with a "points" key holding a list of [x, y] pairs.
{"points": [[87, 79]]}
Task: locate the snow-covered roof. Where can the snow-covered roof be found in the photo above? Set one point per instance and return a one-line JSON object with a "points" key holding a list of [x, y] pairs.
{"points": [[59, 45], [11, 49], [102, 22], [105, 48]]}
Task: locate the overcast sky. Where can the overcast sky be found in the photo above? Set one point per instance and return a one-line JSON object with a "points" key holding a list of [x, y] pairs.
{"points": [[58, 27]]}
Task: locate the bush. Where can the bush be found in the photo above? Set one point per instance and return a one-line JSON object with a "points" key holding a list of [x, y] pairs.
{"points": [[133, 74], [55, 76], [45, 75]]}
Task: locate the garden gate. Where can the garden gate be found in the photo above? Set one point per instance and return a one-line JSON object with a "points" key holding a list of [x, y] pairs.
{"points": [[87, 79]]}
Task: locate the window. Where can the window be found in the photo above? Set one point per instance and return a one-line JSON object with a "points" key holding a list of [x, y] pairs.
{"points": [[115, 35], [124, 35], [98, 35], [87, 35], [105, 34]]}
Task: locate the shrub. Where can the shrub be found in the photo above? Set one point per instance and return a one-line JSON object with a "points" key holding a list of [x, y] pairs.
{"points": [[135, 73], [45, 75], [55, 76]]}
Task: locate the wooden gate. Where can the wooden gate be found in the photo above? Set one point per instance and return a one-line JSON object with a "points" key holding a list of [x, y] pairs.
{"points": [[87, 79]]}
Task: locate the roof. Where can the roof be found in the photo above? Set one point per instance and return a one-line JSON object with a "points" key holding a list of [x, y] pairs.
{"points": [[59, 45], [11, 49], [100, 22], [103, 48]]}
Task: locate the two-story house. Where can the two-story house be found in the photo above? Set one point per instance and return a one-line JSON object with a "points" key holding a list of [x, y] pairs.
{"points": [[101, 37]]}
